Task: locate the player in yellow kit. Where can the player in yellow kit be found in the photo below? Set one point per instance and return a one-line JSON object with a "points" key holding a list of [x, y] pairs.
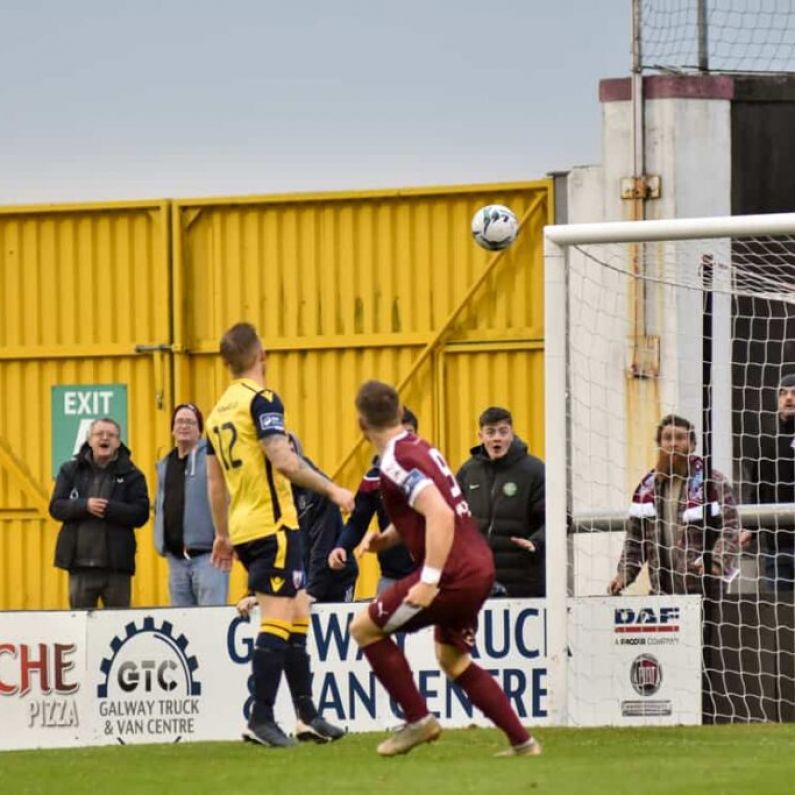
{"points": [[250, 465]]}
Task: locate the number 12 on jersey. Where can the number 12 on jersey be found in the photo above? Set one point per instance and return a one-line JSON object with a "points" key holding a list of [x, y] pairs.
{"points": [[226, 437]]}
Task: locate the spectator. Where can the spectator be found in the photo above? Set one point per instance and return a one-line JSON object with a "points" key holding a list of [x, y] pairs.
{"points": [[320, 523], [184, 532], [101, 497], [504, 486], [394, 562], [769, 477], [666, 520]]}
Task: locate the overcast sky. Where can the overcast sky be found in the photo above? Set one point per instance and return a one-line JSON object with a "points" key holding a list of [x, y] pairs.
{"points": [[104, 99]]}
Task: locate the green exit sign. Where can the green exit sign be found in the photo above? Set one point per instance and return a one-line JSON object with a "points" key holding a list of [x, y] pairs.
{"points": [[75, 407]]}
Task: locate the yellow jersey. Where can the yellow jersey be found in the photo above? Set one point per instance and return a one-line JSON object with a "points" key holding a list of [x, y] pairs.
{"points": [[261, 498]]}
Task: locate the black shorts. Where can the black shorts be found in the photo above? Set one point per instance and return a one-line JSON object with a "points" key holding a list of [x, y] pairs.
{"points": [[273, 563]]}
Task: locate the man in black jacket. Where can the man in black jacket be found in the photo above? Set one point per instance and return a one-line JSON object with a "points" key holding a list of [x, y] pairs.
{"points": [[769, 477], [101, 497], [321, 525], [504, 486]]}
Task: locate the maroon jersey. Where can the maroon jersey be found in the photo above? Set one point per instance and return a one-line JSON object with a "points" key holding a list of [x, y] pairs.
{"points": [[409, 464]]}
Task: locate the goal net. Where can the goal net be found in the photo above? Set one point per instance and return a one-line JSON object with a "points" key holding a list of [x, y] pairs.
{"points": [[677, 602], [717, 35]]}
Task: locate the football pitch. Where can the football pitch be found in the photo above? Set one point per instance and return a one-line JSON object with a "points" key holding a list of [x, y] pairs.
{"points": [[710, 760]]}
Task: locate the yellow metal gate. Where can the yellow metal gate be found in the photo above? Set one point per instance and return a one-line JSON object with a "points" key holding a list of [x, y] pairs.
{"points": [[343, 287], [81, 287], [382, 284]]}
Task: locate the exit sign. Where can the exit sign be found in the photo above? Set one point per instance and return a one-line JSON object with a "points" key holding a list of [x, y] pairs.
{"points": [[74, 408]]}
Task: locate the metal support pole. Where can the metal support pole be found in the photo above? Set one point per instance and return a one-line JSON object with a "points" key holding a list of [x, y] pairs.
{"points": [[703, 40]]}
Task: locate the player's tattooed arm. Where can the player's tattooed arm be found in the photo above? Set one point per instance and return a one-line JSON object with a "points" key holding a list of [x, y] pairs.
{"points": [[279, 452]]}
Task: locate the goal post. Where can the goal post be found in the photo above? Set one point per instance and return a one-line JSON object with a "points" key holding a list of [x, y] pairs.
{"points": [[687, 317]]}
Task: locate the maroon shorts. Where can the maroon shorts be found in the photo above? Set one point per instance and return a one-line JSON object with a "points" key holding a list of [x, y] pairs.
{"points": [[453, 613]]}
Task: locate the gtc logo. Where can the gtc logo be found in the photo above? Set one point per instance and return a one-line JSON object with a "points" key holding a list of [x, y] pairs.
{"points": [[148, 690], [645, 673], [137, 667]]}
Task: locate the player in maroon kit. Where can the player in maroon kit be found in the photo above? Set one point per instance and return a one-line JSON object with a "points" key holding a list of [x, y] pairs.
{"points": [[430, 515]]}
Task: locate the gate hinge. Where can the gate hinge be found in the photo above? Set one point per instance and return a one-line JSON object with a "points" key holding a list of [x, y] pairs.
{"points": [[646, 187]]}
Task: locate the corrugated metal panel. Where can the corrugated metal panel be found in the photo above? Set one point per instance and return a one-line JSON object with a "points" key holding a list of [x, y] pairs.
{"points": [[349, 287], [81, 287], [321, 271], [355, 275], [473, 381], [343, 287]]}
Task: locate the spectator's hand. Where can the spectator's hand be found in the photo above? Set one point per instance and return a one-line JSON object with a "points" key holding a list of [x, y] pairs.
{"points": [[421, 594], [524, 543], [342, 498], [222, 555], [97, 506], [746, 539], [698, 568], [617, 585], [337, 558], [372, 542], [245, 606]]}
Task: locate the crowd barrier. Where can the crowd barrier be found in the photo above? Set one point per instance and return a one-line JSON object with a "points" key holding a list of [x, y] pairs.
{"points": [[177, 675]]}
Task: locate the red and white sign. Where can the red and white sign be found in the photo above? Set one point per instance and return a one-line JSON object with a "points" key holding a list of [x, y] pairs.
{"points": [[42, 679], [635, 661]]}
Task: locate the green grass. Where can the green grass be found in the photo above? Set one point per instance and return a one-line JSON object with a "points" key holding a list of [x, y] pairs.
{"points": [[709, 760]]}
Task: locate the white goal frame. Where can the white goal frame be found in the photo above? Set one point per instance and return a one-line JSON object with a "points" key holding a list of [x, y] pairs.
{"points": [[558, 241]]}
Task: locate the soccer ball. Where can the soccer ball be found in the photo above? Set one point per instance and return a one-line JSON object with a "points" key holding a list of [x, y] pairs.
{"points": [[494, 227]]}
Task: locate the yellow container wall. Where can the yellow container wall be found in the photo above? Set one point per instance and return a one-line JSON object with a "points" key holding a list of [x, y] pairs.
{"points": [[343, 287], [81, 287], [349, 288], [474, 381], [323, 271]]}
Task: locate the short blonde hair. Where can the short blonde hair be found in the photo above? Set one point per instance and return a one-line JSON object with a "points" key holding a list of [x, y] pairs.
{"points": [[240, 347]]}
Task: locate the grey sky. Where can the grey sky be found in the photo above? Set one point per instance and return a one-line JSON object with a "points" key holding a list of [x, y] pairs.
{"points": [[104, 99]]}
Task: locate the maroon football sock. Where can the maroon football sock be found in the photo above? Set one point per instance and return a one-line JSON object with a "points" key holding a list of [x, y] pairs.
{"points": [[488, 697], [392, 669]]}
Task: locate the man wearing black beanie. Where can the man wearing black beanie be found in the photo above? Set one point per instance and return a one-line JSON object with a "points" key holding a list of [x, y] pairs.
{"points": [[770, 475]]}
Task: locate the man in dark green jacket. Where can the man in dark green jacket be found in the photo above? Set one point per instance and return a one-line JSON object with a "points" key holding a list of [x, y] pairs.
{"points": [[101, 497], [504, 486]]}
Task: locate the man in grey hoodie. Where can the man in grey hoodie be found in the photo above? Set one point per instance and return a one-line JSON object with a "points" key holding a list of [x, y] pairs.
{"points": [[184, 531]]}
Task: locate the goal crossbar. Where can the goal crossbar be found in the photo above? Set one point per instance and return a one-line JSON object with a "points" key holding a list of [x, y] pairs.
{"points": [[671, 229]]}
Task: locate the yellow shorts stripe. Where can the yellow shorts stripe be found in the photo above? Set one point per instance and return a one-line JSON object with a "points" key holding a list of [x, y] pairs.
{"points": [[281, 549], [276, 626], [301, 627]]}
